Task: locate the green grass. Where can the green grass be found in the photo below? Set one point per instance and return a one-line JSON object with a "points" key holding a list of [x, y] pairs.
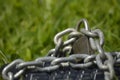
{"points": [[27, 27]]}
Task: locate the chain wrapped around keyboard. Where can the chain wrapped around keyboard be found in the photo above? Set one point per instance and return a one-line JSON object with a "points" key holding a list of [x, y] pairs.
{"points": [[80, 57]]}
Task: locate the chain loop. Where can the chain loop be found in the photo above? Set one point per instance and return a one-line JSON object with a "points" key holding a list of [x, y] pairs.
{"points": [[59, 36], [8, 68]]}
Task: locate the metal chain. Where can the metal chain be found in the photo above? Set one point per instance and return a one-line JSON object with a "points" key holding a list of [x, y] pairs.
{"points": [[55, 63], [57, 58]]}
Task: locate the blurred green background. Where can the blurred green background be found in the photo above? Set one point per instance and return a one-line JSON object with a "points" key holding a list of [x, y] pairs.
{"points": [[27, 27]]}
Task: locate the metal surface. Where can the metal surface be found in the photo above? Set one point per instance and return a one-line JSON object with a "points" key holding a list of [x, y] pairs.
{"points": [[82, 45]]}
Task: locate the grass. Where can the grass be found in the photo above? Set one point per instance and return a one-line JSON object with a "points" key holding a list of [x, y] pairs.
{"points": [[27, 27]]}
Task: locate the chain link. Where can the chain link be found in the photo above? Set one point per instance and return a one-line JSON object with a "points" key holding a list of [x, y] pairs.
{"points": [[57, 58]]}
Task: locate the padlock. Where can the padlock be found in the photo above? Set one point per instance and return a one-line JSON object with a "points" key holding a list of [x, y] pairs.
{"points": [[82, 46]]}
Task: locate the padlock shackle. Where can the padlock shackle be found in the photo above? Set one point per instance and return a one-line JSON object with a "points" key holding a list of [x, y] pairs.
{"points": [[84, 21]]}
